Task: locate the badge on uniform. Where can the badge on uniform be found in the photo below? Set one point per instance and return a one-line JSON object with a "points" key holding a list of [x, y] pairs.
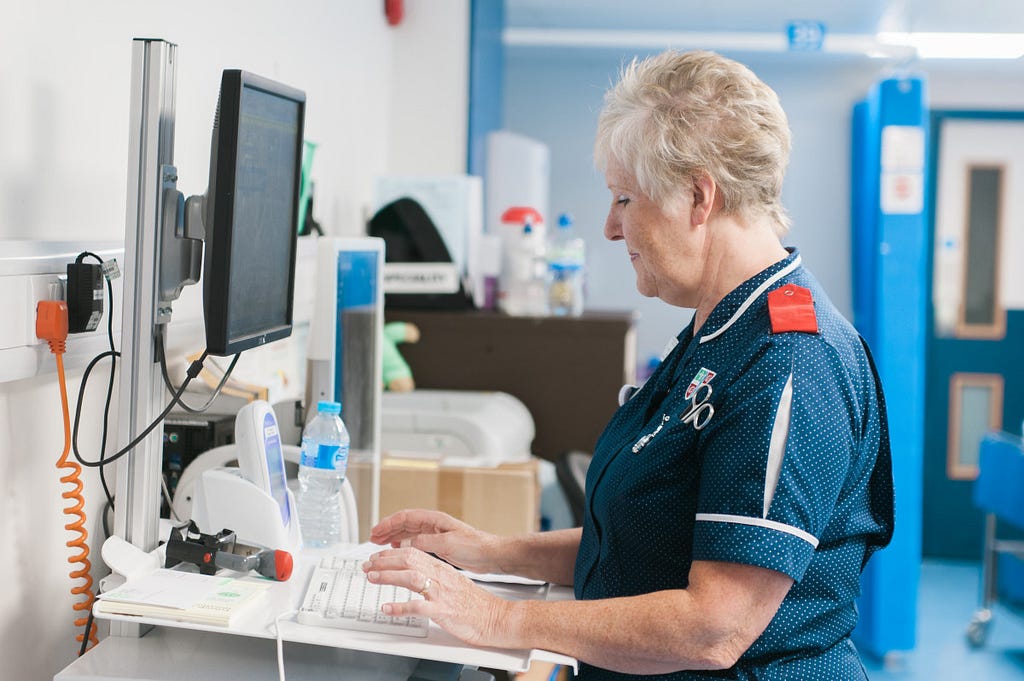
{"points": [[791, 308], [703, 377], [698, 392]]}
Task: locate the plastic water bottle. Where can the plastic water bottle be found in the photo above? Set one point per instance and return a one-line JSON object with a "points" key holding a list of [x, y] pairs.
{"points": [[325, 444], [523, 288], [566, 265]]}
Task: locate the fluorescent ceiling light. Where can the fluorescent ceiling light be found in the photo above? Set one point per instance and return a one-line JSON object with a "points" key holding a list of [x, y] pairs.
{"points": [[959, 45], [585, 38], [762, 41]]}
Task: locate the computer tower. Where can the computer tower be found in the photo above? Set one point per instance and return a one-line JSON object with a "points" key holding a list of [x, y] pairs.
{"points": [[186, 436]]}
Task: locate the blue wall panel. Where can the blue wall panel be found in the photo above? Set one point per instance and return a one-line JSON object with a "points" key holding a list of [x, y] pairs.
{"points": [[890, 293], [486, 78]]}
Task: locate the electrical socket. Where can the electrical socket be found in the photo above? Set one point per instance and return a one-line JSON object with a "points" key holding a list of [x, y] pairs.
{"points": [[27, 278], [19, 296]]}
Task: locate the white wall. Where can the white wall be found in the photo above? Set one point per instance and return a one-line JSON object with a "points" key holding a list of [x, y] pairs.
{"points": [[424, 103], [554, 95], [64, 75]]}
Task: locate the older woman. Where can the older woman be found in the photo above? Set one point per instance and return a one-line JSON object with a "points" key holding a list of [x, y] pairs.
{"points": [[734, 499]]}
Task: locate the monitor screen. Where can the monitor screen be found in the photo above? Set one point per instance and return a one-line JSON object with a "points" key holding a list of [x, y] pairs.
{"points": [[251, 213]]}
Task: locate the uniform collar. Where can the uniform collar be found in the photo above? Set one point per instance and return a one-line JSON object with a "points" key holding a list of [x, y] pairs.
{"points": [[732, 308]]}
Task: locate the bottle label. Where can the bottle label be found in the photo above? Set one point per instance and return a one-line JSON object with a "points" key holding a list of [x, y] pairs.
{"points": [[325, 456]]}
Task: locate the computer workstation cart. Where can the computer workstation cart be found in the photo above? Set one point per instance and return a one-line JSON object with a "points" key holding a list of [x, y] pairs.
{"points": [[997, 493]]}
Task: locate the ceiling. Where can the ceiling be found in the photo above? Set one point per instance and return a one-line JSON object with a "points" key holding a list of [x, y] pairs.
{"points": [[898, 30], [860, 17]]}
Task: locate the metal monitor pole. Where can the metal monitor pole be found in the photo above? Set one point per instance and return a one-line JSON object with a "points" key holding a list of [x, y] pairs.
{"points": [[142, 398]]}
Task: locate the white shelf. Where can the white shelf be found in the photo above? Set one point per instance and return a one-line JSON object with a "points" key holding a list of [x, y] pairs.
{"points": [[285, 597]]}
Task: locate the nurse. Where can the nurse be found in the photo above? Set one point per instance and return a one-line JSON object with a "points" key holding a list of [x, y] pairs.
{"points": [[734, 499]]}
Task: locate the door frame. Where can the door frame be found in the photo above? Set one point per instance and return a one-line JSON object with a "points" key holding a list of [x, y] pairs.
{"points": [[937, 119]]}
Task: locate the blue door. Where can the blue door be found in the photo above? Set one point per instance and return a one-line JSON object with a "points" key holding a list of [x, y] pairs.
{"points": [[974, 376]]}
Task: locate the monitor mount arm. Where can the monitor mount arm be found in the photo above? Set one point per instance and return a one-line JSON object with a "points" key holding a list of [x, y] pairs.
{"points": [[182, 233]]}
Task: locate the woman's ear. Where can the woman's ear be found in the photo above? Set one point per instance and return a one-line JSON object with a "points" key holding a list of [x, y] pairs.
{"points": [[704, 193]]}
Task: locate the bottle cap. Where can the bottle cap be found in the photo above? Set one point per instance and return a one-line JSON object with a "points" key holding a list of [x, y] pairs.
{"points": [[521, 214], [328, 407]]}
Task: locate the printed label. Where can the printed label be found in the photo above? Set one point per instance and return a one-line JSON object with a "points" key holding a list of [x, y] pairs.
{"points": [[326, 456]]}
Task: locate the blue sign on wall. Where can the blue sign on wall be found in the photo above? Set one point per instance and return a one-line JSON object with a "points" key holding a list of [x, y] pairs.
{"points": [[805, 36]]}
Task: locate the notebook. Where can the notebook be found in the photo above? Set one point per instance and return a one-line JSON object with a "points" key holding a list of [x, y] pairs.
{"points": [[183, 597]]}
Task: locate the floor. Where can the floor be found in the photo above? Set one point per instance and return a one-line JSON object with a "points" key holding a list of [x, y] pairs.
{"points": [[948, 600]]}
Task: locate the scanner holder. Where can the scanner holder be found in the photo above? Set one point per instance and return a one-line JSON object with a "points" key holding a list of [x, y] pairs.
{"points": [[223, 497], [209, 552]]}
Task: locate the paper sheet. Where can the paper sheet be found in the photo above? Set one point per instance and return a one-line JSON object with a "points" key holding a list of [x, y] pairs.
{"points": [[167, 588]]}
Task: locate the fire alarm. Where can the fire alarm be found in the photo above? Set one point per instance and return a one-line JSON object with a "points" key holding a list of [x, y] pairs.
{"points": [[394, 10]]}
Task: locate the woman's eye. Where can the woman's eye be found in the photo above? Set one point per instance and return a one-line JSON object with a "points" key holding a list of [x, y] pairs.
{"points": [[621, 200]]}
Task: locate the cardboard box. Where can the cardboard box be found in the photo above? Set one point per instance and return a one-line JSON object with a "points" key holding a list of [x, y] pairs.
{"points": [[503, 500]]}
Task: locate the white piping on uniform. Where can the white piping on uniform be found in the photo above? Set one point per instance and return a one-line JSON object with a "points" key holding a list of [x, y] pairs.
{"points": [[758, 522], [751, 298], [777, 444]]}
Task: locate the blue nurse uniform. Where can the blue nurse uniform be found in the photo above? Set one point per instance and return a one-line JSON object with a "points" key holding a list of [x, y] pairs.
{"points": [[789, 470]]}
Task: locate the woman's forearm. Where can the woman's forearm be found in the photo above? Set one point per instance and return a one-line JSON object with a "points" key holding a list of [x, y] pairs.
{"points": [[650, 634], [548, 556], [708, 625]]}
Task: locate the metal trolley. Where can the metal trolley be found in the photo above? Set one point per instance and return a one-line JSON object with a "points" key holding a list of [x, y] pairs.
{"points": [[996, 491]]}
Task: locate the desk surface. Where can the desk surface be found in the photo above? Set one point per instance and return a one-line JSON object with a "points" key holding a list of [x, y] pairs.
{"points": [[258, 628], [166, 654]]}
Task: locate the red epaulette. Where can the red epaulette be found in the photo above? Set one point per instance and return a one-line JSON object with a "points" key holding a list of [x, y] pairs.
{"points": [[791, 308]]}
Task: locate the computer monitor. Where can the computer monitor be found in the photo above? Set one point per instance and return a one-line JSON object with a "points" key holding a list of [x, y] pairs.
{"points": [[345, 354], [251, 213]]}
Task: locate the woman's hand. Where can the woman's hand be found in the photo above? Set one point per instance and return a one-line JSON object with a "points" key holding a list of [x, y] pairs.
{"points": [[450, 599], [442, 535]]}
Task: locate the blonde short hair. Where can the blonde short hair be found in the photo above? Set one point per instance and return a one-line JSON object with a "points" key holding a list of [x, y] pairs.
{"points": [[677, 115]]}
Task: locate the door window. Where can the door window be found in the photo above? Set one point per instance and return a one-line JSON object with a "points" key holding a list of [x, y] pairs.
{"points": [[981, 312], [975, 407]]}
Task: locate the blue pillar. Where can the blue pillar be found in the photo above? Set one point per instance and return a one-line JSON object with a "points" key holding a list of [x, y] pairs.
{"points": [[486, 78], [890, 288]]}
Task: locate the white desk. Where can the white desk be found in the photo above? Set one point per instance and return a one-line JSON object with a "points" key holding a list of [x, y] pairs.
{"points": [[166, 654], [176, 651]]}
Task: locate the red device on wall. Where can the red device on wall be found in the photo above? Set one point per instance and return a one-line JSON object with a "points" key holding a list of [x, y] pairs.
{"points": [[394, 10]]}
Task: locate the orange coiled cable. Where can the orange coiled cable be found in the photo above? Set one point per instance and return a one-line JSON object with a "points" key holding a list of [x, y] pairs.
{"points": [[73, 478]]}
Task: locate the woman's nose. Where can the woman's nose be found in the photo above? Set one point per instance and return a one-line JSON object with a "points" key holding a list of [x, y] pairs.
{"points": [[612, 229]]}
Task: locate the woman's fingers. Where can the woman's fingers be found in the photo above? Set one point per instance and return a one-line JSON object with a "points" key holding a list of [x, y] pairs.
{"points": [[411, 523], [395, 559], [412, 580]]}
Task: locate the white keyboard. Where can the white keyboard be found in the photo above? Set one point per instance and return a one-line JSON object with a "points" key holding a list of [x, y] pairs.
{"points": [[339, 596]]}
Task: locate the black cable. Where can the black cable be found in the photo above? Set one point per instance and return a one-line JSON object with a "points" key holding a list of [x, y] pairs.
{"points": [[176, 394], [113, 354], [105, 520], [170, 386], [85, 634], [193, 371]]}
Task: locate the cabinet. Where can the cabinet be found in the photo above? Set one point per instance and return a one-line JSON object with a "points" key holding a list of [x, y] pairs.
{"points": [[566, 370]]}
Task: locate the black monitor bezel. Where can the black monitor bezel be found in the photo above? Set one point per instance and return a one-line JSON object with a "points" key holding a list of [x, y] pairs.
{"points": [[219, 214]]}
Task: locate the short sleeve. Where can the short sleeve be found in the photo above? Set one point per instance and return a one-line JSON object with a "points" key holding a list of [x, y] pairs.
{"points": [[776, 455]]}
